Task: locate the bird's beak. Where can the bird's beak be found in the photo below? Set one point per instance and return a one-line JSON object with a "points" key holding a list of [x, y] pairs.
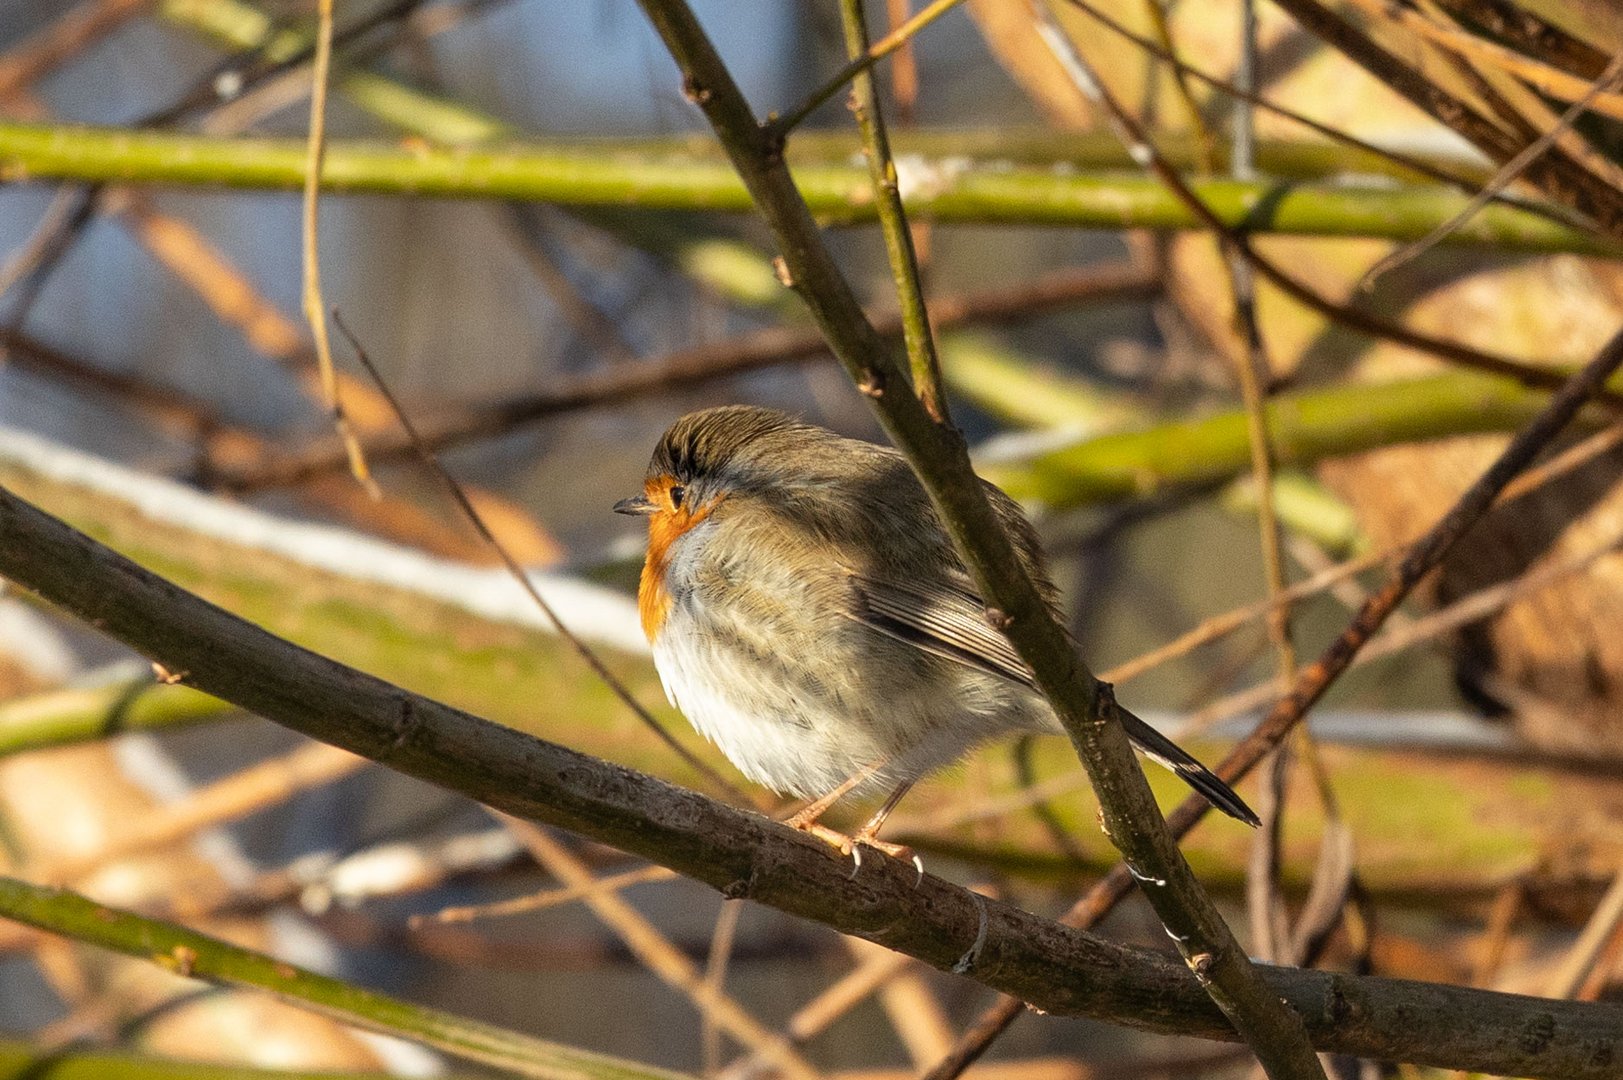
{"points": [[637, 504]]}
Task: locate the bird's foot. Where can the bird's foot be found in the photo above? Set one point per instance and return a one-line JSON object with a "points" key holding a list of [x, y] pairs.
{"points": [[866, 838], [853, 845]]}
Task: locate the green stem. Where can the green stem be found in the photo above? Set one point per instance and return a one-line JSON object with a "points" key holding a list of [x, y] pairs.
{"points": [[1305, 427], [24, 1061], [917, 339], [186, 952], [62, 717], [580, 174]]}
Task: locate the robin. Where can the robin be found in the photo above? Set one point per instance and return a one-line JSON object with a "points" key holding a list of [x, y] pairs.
{"points": [[810, 616]]}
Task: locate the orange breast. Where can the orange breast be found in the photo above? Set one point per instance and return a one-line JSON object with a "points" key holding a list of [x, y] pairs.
{"points": [[665, 527]]}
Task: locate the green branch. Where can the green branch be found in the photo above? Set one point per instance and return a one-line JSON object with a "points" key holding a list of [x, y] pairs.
{"points": [[1306, 427], [24, 1061], [198, 956], [580, 174], [63, 717]]}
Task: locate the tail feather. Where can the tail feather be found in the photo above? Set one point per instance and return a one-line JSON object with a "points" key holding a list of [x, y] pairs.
{"points": [[1158, 747]]}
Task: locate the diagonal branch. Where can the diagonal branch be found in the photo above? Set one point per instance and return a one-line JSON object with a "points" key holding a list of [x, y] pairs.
{"points": [[938, 456]]}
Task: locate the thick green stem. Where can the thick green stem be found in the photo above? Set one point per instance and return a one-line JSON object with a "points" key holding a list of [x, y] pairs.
{"points": [[1305, 427], [577, 174]]}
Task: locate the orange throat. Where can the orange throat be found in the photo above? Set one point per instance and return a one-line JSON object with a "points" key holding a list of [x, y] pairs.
{"points": [[665, 527]]}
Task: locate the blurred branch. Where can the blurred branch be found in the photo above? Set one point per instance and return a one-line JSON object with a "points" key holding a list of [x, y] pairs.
{"points": [[576, 174], [198, 956], [1055, 968], [1305, 428], [62, 39], [25, 1061], [64, 717], [686, 367], [1558, 176]]}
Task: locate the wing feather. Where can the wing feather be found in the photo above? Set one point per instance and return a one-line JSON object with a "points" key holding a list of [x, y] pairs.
{"points": [[950, 623]]}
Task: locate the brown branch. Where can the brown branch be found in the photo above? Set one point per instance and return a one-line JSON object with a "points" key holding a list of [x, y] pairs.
{"points": [[60, 41], [1531, 34], [686, 367], [1057, 968], [1557, 175], [1312, 681]]}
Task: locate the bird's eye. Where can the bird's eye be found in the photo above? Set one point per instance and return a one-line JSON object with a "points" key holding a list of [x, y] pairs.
{"points": [[676, 497]]}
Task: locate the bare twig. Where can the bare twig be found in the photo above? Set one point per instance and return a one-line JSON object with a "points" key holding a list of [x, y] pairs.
{"points": [[542, 900], [582, 649], [1567, 979], [1506, 175], [315, 308]]}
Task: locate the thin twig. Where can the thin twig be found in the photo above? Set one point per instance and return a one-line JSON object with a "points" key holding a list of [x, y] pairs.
{"points": [[715, 979], [1575, 967], [779, 127], [540, 901], [1506, 175], [315, 307], [658, 954], [582, 649]]}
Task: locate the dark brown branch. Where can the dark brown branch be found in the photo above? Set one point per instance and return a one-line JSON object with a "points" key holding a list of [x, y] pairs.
{"points": [[1057, 968], [1556, 174], [1530, 34]]}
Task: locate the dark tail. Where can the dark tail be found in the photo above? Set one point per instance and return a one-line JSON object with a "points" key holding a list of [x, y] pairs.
{"points": [[1158, 747]]}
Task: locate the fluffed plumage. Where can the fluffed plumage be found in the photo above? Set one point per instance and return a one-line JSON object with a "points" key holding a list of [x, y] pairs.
{"points": [[810, 616]]}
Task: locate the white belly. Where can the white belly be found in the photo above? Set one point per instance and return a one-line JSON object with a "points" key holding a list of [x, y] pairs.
{"points": [[772, 738]]}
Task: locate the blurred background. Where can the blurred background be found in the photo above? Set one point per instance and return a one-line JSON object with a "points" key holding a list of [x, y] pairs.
{"points": [[1455, 817]]}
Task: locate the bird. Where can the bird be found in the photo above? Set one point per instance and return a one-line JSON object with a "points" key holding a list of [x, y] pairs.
{"points": [[809, 615]]}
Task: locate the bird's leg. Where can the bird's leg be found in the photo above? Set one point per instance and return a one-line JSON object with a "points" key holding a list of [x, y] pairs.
{"points": [[869, 833], [805, 819]]}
